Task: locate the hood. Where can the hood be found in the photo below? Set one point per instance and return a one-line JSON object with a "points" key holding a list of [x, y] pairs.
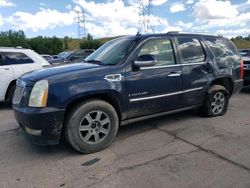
{"points": [[59, 70]]}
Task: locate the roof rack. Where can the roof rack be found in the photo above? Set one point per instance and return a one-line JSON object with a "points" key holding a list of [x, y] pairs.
{"points": [[199, 33], [172, 32]]}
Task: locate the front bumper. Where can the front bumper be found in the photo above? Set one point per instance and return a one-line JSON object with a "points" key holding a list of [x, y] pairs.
{"points": [[238, 84], [42, 125]]}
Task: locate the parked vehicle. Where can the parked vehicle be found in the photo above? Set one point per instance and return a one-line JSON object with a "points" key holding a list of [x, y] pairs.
{"points": [[13, 63], [47, 57], [76, 56], [127, 80], [245, 53]]}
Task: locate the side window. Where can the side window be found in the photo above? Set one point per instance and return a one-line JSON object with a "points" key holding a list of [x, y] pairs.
{"points": [[1, 60], [76, 55], [191, 50], [12, 58], [221, 47], [162, 49]]}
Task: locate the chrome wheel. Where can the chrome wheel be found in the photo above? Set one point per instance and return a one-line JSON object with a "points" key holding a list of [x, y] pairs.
{"points": [[218, 103], [94, 127]]}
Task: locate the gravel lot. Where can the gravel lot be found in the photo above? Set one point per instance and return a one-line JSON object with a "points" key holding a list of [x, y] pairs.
{"points": [[180, 150]]}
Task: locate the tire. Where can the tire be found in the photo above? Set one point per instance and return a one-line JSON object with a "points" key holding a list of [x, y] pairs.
{"points": [[216, 102], [11, 93], [99, 124]]}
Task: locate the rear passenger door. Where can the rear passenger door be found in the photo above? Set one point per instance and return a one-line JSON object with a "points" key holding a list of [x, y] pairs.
{"points": [[157, 88], [195, 68]]}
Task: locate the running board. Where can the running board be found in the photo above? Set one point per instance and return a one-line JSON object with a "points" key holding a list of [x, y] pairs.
{"points": [[133, 120]]}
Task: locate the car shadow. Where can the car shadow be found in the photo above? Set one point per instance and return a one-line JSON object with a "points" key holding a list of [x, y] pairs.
{"points": [[5, 105]]}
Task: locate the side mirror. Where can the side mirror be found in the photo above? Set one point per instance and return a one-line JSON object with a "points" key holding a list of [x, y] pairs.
{"points": [[145, 61]]}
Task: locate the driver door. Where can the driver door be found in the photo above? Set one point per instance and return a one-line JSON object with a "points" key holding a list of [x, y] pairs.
{"points": [[157, 88]]}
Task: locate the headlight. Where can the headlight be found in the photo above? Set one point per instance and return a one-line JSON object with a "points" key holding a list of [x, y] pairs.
{"points": [[39, 94]]}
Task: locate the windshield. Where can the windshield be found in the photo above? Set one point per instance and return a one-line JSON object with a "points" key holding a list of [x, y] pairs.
{"points": [[112, 52]]}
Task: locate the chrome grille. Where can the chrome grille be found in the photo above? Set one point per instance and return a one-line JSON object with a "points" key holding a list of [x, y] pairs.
{"points": [[20, 86]]}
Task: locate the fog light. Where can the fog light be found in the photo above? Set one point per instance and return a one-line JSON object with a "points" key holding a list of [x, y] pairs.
{"points": [[33, 131]]}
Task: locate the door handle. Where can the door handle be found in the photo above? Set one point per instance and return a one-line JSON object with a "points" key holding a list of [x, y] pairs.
{"points": [[174, 74], [6, 68]]}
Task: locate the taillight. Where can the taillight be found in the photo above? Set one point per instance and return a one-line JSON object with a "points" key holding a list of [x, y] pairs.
{"points": [[241, 69]]}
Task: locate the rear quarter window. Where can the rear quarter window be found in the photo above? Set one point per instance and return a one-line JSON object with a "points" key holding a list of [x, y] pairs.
{"points": [[1, 60], [12, 58], [222, 48]]}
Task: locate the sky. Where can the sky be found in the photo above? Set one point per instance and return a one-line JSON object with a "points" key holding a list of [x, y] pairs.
{"points": [[106, 18]]}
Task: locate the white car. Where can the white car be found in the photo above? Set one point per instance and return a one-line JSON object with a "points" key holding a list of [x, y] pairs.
{"points": [[13, 63]]}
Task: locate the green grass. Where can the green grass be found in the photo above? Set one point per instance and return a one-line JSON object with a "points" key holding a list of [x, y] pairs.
{"points": [[241, 43]]}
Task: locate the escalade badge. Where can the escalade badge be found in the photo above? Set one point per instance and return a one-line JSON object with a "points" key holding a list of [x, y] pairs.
{"points": [[113, 77]]}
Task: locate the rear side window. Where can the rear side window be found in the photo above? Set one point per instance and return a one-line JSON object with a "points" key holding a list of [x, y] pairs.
{"points": [[221, 47], [1, 60], [191, 50], [12, 58], [162, 49]]}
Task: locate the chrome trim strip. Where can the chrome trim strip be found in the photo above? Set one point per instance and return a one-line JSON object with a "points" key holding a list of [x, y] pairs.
{"points": [[159, 67], [165, 95], [187, 64], [175, 65], [194, 89], [155, 97], [174, 75]]}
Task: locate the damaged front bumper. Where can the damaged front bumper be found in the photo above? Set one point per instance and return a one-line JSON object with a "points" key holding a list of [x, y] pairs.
{"points": [[42, 125]]}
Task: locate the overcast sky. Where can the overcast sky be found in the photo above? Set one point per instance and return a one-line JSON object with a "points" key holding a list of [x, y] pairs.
{"points": [[120, 17]]}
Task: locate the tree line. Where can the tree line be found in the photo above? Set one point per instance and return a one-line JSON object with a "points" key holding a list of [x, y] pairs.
{"points": [[46, 45], [54, 45]]}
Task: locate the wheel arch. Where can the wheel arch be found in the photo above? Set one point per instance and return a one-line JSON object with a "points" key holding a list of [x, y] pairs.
{"points": [[110, 97], [10, 85], [225, 82]]}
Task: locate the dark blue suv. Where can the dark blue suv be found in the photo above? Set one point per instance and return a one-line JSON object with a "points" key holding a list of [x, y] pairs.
{"points": [[128, 79]]}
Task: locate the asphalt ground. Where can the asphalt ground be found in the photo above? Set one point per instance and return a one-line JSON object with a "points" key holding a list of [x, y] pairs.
{"points": [[180, 150]]}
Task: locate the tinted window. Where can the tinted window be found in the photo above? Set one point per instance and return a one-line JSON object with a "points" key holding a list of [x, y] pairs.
{"points": [[77, 55], [162, 49], [191, 50], [17, 59], [112, 52], [1, 60], [221, 47]]}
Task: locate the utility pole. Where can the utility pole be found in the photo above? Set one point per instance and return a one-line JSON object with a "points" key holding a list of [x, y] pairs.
{"points": [[145, 14], [81, 22]]}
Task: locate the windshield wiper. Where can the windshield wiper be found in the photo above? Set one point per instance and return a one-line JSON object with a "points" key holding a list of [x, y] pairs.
{"points": [[94, 61]]}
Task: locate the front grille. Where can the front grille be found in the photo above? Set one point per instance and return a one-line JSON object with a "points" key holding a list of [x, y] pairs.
{"points": [[20, 86], [246, 73], [18, 94], [246, 62]]}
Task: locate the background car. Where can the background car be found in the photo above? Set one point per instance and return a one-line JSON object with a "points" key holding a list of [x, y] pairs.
{"points": [[75, 56], [245, 54], [13, 63], [47, 57]]}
